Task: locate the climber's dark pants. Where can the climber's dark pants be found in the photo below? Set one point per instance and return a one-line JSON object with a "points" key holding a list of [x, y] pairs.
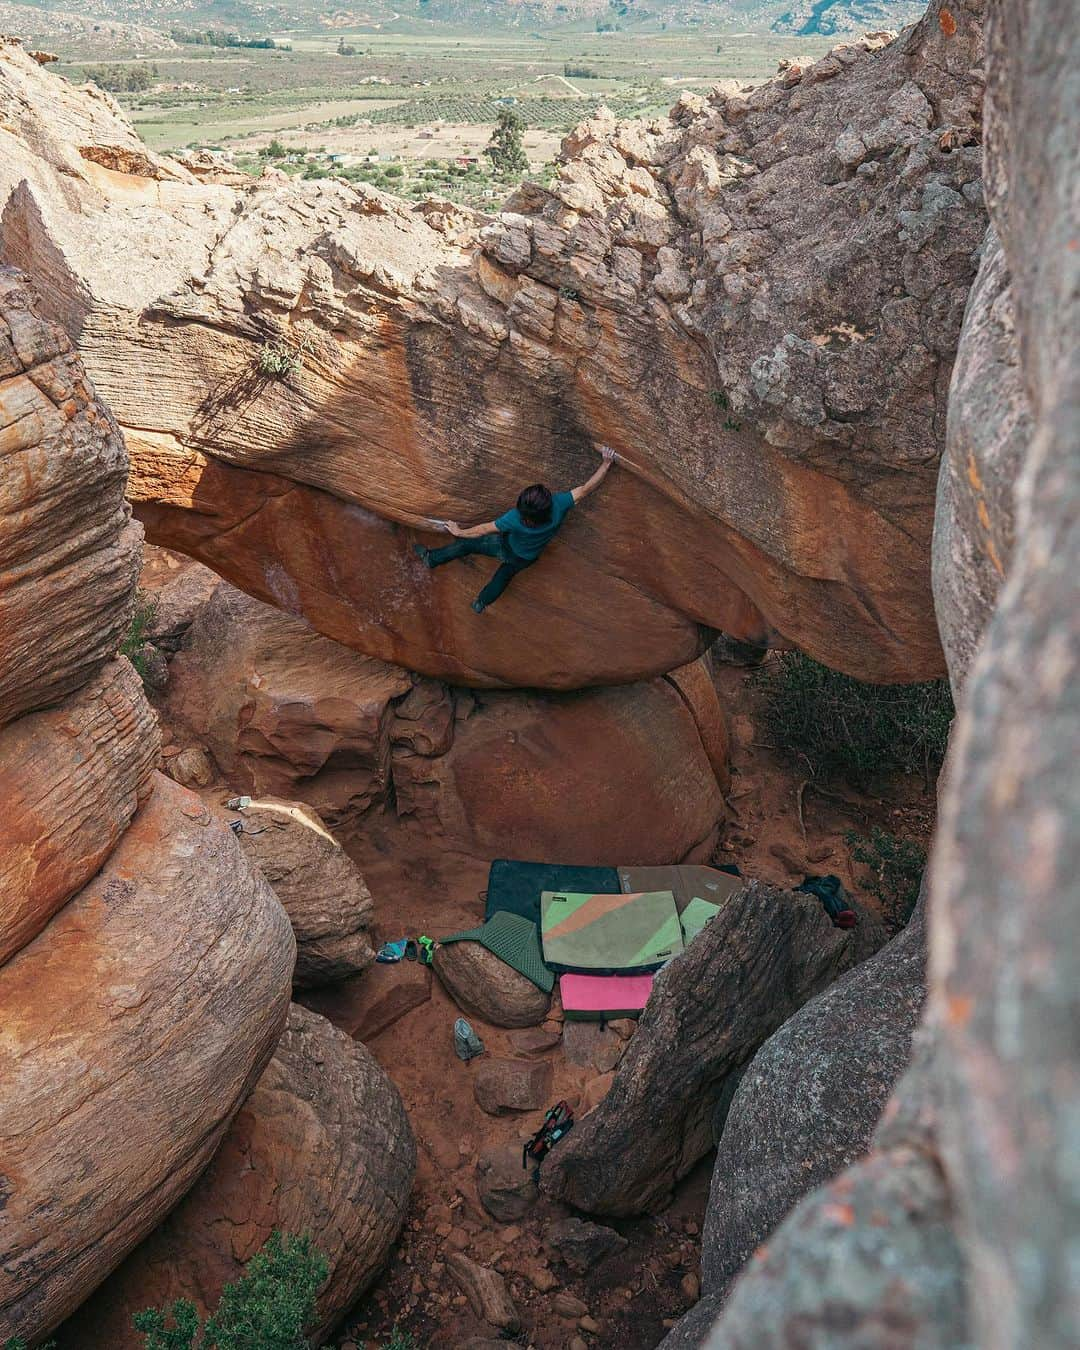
{"points": [[491, 546]]}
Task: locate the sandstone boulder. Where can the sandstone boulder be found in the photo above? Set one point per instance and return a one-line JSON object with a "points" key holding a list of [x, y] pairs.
{"points": [[505, 1186], [486, 1291], [134, 1027], [810, 1101], [871, 1259], [322, 1146], [760, 959], [582, 1245], [324, 895], [365, 1005], [71, 779], [284, 711], [288, 712], [486, 987], [69, 552], [762, 322], [502, 1086]]}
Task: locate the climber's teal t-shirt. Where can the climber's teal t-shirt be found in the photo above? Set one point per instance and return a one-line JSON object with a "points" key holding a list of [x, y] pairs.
{"points": [[528, 541]]}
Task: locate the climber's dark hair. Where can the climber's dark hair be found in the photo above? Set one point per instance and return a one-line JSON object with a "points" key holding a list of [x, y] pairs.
{"points": [[534, 504]]}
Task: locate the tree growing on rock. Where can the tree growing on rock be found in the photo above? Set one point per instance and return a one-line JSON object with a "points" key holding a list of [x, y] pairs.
{"points": [[505, 150]]}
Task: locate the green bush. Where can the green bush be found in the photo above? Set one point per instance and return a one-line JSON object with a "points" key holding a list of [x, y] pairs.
{"points": [[136, 637], [846, 729], [17, 1343], [896, 867], [268, 1308], [279, 359]]}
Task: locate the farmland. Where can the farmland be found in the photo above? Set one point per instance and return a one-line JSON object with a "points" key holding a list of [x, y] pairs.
{"points": [[413, 113]]}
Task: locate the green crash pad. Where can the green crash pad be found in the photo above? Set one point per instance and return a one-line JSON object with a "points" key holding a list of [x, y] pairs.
{"points": [[516, 887], [695, 916], [513, 940], [686, 882], [608, 934]]}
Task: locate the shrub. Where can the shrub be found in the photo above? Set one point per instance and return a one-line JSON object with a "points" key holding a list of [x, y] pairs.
{"points": [[136, 638], [896, 867], [268, 1308], [279, 358], [847, 729], [17, 1343], [275, 150]]}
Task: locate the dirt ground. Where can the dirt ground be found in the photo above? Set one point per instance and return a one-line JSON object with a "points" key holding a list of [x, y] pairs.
{"points": [[633, 1298]]}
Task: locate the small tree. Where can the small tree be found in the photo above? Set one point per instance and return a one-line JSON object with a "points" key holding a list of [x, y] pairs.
{"points": [[275, 150], [505, 150], [269, 1307]]}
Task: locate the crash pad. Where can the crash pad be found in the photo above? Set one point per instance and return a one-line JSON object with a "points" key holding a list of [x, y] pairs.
{"points": [[514, 940], [605, 934], [695, 916], [516, 887], [685, 881], [599, 998]]}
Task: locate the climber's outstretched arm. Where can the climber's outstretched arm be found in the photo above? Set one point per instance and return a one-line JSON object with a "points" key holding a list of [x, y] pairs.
{"points": [[607, 459], [472, 531]]}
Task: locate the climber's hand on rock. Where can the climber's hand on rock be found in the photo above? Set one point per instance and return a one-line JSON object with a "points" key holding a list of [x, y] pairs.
{"points": [[609, 454], [454, 528]]}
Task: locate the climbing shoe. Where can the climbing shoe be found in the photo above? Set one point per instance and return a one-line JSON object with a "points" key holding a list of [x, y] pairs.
{"points": [[467, 1044], [478, 606], [423, 553]]}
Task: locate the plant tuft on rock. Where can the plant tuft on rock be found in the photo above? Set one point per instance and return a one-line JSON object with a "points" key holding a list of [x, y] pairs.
{"points": [[135, 639], [279, 358], [268, 1308]]}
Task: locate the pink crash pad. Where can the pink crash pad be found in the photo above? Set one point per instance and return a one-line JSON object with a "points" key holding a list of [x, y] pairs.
{"points": [[599, 998]]}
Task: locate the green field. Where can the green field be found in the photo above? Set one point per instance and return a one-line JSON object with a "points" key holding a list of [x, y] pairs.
{"points": [[386, 108]]}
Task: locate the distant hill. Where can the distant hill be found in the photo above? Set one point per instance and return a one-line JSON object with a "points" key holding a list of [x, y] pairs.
{"points": [[812, 18], [800, 17]]}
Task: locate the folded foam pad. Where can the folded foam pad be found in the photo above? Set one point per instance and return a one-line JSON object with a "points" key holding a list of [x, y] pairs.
{"points": [[598, 998], [686, 883], [516, 887], [514, 940], [609, 934], [695, 916]]}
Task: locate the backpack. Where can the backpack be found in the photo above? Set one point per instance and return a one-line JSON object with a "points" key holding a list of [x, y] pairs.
{"points": [[558, 1122]]}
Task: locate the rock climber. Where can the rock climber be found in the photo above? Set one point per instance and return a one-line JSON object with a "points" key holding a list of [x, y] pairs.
{"points": [[519, 536]]}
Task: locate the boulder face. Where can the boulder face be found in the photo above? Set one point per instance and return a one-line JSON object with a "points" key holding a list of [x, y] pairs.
{"points": [[71, 779], [69, 551], [286, 711], [321, 1146], [134, 1024], [810, 1101], [960, 1224], [755, 301], [764, 955], [324, 895], [486, 987]]}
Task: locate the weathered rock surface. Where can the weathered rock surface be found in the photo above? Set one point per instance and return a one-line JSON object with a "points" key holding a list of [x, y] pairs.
{"points": [[958, 1228], [505, 1186], [288, 712], [285, 712], [810, 1101], [134, 1026], [365, 1005], [760, 959], [324, 895], [322, 1146], [869, 1260], [756, 301], [69, 551], [505, 1085], [989, 431], [71, 778], [582, 1245], [486, 987], [1004, 939], [486, 1291]]}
